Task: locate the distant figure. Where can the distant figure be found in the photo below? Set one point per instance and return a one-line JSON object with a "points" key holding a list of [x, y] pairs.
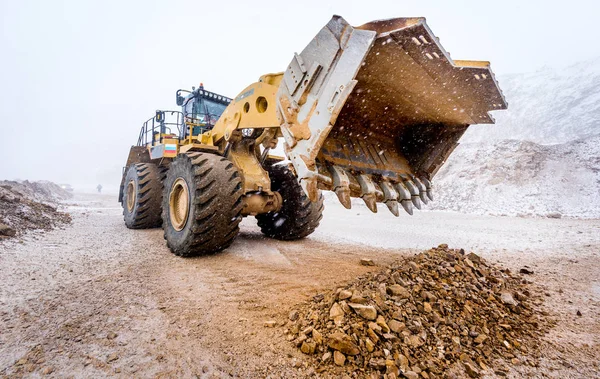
{"points": [[99, 188]]}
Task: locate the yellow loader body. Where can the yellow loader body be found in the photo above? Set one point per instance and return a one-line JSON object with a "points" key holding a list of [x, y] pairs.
{"points": [[370, 111]]}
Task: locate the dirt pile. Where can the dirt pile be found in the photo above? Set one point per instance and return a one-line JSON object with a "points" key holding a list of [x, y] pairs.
{"points": [[30, 205], [439, 313]]}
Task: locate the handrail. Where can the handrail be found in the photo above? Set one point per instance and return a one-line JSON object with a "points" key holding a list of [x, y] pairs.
{"points": [[152, 127]]}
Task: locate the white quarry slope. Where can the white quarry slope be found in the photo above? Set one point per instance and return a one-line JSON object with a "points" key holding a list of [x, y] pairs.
{"points": [[514, 177], [548, 106], [541, 158]]}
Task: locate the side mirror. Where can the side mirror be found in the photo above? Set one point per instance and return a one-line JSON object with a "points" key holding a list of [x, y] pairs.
{"points": [[180, 99]]}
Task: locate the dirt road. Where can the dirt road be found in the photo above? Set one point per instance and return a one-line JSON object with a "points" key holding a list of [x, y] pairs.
{"points": [[95, 299]]}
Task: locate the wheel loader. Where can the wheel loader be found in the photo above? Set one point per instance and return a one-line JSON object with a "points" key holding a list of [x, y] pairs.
{"points": [[369, 112]]}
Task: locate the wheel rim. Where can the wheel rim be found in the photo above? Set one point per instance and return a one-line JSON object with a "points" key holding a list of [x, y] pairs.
{"points": [[179, 204], [131, 194]]}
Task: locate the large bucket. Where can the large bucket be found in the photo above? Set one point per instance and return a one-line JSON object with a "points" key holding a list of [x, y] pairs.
{"points": [[374, 111]]}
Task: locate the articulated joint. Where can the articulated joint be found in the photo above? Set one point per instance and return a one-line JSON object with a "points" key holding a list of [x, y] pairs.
{"points": [[261, 202]]}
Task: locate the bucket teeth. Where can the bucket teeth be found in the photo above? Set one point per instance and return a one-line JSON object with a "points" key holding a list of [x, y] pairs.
{"points": [[341, 185], [368, 191], [390, 197], [417, 202], [393, 207], [408, 206], [422, 190], [344, 197], [414, 192], [404, 197], [428, 187]]}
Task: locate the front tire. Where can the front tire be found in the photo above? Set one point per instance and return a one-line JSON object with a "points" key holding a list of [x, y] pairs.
{"points": [[202, 204], [142, 196], [298, 216]]}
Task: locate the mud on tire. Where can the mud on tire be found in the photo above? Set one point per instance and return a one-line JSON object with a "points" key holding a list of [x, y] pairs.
{"points": [[208, 221], [298, 216], [142, 196]]}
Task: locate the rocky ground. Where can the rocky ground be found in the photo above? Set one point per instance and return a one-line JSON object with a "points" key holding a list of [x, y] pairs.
{"points": [[439, 313], [96, 299], [522, 178], [30, 205]]}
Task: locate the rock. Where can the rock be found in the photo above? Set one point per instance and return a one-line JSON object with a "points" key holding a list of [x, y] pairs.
{"points": [[111, 335], [112, 357], [317, 337], [270, 324], [579, 313], [293, 316], [377, 363], [367, 262], [411, 375], [357, 299], [469, 263], [526, 271], [391, 368], [335, 311], [446, 311], [369, 345], [308, 347], [7, 231], [374, 327], [47, 370], [402, 361], [554, 215], [427, 307], [345, 307], [415, 341], [298, 341], [474, 257], [342, 342], [365, 311], [344, 294], [396, 326], [471, 370], [508, 299], [372, 335], [480, 338], [381, 322], [339, 358], [398, 290]]}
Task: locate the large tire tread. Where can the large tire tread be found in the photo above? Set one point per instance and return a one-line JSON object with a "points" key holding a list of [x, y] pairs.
{"points": [[298, 216], [215, 205], [148, 179]]}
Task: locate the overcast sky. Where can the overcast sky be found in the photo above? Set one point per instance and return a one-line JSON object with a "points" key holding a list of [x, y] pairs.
{"points": [[78, 77]]}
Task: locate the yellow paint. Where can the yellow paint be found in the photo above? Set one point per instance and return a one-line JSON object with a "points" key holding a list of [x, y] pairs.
{"points": [[254, 107]]}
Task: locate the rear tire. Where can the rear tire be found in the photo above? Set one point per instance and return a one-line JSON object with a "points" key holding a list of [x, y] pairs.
{"points": [[202, 204], [142, 196], [298, 216]]}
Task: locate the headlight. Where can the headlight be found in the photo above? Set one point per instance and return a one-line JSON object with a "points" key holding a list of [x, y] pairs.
{"points": [[247, 132]]}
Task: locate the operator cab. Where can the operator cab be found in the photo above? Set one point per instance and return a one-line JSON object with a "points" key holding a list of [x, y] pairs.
{"points": [[201, 110]]}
